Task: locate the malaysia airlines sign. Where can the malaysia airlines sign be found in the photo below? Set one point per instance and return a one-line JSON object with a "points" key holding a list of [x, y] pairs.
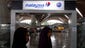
{"points": [[43, 5]]}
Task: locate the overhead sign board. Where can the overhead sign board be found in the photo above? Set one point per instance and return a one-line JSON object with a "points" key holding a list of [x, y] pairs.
{"points": [[43, 5]]}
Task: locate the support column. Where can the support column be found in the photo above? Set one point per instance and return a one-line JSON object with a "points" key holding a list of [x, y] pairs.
{"points": [[12, 27], [33, 23], [73, 32]]}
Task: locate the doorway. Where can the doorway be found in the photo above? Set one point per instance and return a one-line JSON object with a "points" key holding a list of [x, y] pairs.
{"points": [[63, 24]]}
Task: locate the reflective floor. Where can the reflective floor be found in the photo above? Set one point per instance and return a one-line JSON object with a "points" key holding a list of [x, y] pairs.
{"points": [[59, 40]]}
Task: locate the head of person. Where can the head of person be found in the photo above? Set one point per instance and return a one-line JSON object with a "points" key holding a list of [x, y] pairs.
{"points": [[21, 37], [46, 31]]}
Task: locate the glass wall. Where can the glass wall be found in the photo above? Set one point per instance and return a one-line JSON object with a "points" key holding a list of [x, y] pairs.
{"points": [[4, 35]]}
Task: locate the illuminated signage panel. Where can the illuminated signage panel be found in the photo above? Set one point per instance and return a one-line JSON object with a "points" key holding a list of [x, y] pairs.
{"points": [[43, 5]]}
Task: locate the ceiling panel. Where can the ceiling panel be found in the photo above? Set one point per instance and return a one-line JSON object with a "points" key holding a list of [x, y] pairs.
{"points": [[81, 6]]}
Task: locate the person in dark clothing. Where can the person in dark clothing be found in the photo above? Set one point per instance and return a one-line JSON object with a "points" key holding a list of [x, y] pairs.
{"points": [[45, 40], [21, 37]]}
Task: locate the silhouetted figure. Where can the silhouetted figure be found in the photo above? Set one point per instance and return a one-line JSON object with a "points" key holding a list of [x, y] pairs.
{"points": [[21, 37], [45, 40]]}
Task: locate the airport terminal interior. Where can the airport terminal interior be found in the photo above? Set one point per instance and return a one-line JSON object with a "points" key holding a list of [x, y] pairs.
{"points": [[57, 21], [68, 26]]}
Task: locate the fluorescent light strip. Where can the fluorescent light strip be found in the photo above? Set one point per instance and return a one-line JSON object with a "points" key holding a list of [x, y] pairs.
{"points": [[79, 12], [20, 18], [28, 21], [61, 19], [66, 16]]}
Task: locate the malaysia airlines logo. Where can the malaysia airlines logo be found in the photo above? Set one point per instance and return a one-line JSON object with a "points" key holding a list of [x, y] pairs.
{"points": [[48, 4]]}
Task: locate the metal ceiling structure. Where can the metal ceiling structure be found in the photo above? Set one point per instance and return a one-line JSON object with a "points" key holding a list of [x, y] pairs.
{"points": [[41, 17], [81, 7]]}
